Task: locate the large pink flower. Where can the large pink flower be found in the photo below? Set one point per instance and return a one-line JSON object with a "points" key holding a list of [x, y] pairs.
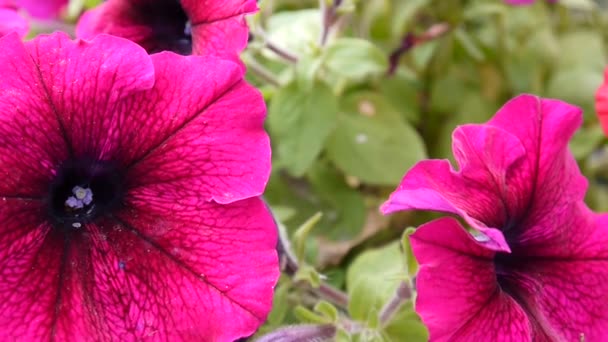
{"points": [[10, 20], [214, 27], [128, 189], [538, 269]]}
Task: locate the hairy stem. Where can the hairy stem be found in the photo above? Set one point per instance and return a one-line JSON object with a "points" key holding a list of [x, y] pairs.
{"points": [[402, 294]]}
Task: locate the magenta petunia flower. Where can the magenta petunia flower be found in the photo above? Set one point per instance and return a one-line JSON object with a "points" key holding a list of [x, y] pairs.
{"points": [[44, 9], [128, 191], [10, 20], [215, 27], [537, 270]]}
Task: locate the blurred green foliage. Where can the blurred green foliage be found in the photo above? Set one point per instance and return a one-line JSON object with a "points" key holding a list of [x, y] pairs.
{"points": [[359, 91]]}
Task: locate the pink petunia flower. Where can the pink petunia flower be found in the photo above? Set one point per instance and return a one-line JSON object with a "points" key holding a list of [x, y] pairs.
{"points": [[601, 103], [215, 27], [10, 20], [128, 189], [44, 9], [538, 268]]}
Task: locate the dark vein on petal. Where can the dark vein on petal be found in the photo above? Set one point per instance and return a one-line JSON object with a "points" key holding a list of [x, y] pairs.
{"points": [[534, 316], [179, 263], [496, 292], [500, 190], [62, 270], [115, 116], [536, 170], [62, 128], [179, 128], [36, 256]]}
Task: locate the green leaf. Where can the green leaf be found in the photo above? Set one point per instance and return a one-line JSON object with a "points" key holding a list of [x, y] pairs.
{"points": [[473, 108], [301, 234], [344, 213], [372, 279], [469, 45], [326, 309], [306, 71], [300, 120], [577, 86], [280, 305], [355, 59], [408, 254], [481, 9], [582, 49], [580, 5], [309, 275], [283, 213], [342, 336], [585, 141], [373, 142], [448, 91], [403, 13], [406, 326], [402, 91], [294, 31], [307, 316]]}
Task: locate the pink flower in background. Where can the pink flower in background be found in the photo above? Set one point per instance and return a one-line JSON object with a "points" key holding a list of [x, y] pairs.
{"points": [[10, 20], [44, 9], [537, 270], [128, 195], [601, 103], [215, 27]]}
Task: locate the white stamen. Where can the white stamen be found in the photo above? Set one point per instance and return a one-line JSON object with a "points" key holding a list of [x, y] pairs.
{"points": [[76, 225], [79, 192], [82, 196]]}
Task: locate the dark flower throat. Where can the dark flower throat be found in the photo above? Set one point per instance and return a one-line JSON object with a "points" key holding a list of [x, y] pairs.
{"points": [[170, 24], [82, 191]]}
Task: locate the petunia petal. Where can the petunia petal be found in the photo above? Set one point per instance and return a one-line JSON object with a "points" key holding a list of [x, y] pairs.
{"points": [[222, 38], [10, 20], [200, 143], [216, 10], [173, 272], [548, 184], [30, 140], [568, 298], [544, 127], [47, 9], [83, 92], [118, 18], [219, 27], [458, 295], [30, 262], [476, 192]]}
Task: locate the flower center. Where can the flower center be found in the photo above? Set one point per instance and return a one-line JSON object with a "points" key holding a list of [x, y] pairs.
{"points": [[170, 24], [82, 191]]}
